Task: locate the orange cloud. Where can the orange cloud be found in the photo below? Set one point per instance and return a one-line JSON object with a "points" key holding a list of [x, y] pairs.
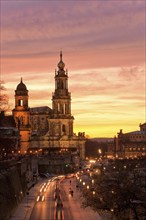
{"points": [[103, 48]]}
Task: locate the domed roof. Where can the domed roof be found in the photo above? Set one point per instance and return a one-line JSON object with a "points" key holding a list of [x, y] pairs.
{"points": [[21, 86], [61, 65]]}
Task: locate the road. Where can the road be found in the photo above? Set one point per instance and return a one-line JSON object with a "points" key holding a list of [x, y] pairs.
{"points": [[46, 210], [31, 209]]}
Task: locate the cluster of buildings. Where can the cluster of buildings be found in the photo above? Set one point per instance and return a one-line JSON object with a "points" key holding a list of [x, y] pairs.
{"points": [[128, 145], [42, 128], [131, 144]]}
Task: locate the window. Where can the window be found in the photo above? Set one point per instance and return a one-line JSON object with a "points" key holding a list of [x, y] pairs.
{"points": [[20, 102], [58, 107], [63, 128], [63, 108]]}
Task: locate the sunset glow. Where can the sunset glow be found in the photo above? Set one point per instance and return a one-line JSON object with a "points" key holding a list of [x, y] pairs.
{"points": [[103, 44]]}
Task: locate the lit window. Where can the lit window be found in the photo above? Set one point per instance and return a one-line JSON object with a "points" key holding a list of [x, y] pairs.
{"points": [[20, 102]]}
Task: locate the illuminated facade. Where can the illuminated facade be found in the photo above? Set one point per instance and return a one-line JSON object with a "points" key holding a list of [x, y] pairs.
{"points": [[131, 144], [46, 128], [21, 114]]}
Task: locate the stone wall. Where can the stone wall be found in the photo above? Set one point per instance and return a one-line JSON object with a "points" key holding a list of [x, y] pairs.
{"points": [[12, 190], [14, 183]]}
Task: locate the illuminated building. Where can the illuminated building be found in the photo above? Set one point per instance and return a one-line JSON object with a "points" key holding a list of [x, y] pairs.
{"points": [[46, 128], [21, 114], [131, 144]]}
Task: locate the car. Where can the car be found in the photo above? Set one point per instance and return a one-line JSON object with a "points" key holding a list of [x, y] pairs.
{"points": [[40, 198]]}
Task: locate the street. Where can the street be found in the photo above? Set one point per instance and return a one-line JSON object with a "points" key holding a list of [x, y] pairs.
{"points": [[45, 209], [66, 207], [49, 209]]}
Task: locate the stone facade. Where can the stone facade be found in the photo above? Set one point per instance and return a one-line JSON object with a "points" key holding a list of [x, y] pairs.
{"points": [[131, 144], [43, 128], [21, 114]]}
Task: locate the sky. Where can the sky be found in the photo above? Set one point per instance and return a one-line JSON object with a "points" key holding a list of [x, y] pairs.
{"points": [[103, 45]]}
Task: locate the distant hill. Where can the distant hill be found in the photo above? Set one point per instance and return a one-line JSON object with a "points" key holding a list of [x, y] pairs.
{"points": [[102, 139]]}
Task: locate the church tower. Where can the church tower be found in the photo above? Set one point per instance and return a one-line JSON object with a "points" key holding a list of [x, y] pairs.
{"points": [[61, 97], [21, 114], [61, 122], [59, 136]]}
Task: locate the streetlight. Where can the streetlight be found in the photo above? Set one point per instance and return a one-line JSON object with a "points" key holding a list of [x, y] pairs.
{"points": [[99, 151], [93, 193]]}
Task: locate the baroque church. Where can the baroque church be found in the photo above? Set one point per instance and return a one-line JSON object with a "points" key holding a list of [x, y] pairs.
{"points": [[43, 128]]}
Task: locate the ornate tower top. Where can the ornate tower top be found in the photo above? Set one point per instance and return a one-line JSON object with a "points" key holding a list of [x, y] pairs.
{"points": [[61, 64], [61, 99], [21, 88]]}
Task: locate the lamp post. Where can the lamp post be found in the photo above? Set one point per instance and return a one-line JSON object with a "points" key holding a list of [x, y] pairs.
{"points": [[93, 193], [100, 152], [88, 187]]}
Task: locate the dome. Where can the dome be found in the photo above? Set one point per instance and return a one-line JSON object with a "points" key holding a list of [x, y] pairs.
{"points": [[61, 65], [21, 86]]}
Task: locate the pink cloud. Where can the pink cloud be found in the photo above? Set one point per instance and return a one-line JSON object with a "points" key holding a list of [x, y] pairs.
{"points": [[103, 45]]}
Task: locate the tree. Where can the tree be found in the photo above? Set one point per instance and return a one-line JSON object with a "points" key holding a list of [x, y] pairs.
{"points": [[117, 192], [4, 106]]}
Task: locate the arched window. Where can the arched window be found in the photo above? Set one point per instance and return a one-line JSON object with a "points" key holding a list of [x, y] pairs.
{"points": [[20, 102], [58, 107], [63, 128], [64, 109]]}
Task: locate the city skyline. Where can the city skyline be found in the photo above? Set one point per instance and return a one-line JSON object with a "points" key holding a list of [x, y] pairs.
{"points": [[103, 46]]}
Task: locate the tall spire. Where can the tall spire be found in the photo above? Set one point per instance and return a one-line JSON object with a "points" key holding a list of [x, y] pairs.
{"points": [[61, 64], [61, 55]]}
